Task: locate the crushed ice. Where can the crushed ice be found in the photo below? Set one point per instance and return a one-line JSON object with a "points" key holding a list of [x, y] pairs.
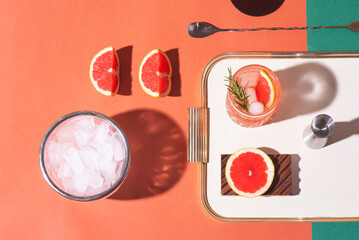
{"points": [[87, 156]]}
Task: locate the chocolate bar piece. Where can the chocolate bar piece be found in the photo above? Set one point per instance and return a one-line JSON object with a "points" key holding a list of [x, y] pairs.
{"points": [[282, 182]]}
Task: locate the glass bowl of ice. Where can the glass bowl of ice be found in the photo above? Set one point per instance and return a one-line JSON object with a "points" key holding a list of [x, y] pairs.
{"points": [[85, 156]]}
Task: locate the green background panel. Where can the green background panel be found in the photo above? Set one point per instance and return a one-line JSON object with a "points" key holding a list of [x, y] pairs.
{"points": [[332, 13], [335, 231]]}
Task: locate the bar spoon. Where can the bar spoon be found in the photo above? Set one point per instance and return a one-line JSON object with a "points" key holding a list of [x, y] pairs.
{"points": [[204, 29]]}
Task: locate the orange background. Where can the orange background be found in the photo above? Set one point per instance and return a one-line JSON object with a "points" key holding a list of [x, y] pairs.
{"points": [[47, 47]]}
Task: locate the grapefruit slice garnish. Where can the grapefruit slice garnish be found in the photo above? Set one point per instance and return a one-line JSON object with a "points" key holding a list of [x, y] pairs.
{"points": [[155, 74], [249, 172], [265, 89], [104, 71]]}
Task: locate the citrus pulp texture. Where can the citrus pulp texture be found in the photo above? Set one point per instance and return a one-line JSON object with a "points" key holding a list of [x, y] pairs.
{"points": [[155, 74], [249, 172], [104, 71], [264, 89]]}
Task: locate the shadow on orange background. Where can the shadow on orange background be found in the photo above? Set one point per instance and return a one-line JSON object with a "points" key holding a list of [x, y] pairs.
{"points": [[125, 57], [158, 153], [176, 77]]}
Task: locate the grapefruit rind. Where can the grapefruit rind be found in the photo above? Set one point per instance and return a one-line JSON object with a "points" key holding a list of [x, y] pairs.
{"points": [[100, 53], [265, 75], [270, 172], [147, 90]]}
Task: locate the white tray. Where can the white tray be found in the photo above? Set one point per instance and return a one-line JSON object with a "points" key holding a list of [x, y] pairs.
{"points": [[325, 181]]}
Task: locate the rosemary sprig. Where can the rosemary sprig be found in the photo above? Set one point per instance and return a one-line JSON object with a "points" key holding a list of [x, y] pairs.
{"points": [[241, 97]]}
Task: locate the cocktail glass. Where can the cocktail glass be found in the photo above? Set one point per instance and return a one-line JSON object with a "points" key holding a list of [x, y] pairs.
{"points": [[244, 118]]}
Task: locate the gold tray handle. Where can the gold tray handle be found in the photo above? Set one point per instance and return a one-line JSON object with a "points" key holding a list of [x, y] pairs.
{"points": [[197, 142]]}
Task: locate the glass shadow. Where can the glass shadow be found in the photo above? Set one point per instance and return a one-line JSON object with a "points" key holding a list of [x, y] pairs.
{"points": [[158, 153], [305, 88]]}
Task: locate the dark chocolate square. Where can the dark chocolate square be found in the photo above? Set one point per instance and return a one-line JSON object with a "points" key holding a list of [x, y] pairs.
{"points": [[282, 182]]}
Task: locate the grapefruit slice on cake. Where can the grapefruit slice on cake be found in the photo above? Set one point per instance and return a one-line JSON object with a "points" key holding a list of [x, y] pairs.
{"points": [[104, 71], [155, 74], [249, 172]]}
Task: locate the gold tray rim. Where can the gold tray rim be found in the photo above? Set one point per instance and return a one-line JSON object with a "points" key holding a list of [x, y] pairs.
{"points": [[204, 104]]}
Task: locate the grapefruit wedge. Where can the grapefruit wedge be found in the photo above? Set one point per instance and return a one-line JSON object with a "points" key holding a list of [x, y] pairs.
{"points": [[265, 89], [249, 172], [155, 74], [104, 71]]}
